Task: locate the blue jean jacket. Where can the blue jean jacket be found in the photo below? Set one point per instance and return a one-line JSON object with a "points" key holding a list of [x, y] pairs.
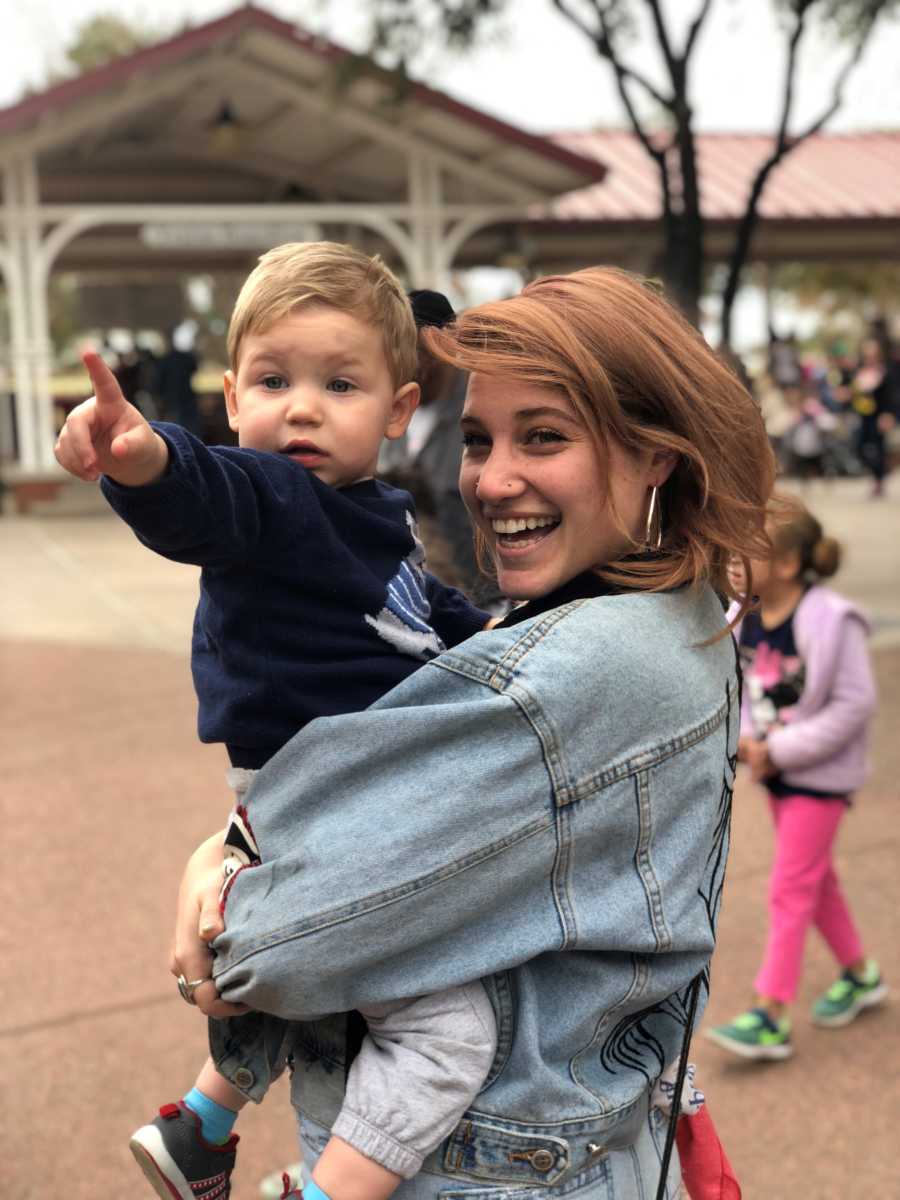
{"points": [[546, 807]]}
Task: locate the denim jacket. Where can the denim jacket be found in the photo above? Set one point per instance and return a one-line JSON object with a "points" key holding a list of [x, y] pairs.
{"points": [[545, 807]]}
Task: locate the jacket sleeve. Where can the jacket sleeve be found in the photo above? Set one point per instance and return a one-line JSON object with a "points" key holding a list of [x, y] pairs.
{"points": [[406, 849], [850, 705], [453, 616], [211, 505]]}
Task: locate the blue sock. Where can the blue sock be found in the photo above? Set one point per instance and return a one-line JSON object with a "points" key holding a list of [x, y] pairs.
{"points": [[216, 1122], [312, 1191]]}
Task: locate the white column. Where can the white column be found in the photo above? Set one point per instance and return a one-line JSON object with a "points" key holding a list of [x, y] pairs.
{"points": [[19, 315], [38, 282], [427, 219]]}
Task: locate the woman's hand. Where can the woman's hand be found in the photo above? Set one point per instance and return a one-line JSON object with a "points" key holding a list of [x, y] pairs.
{"points": [[197, 923]]}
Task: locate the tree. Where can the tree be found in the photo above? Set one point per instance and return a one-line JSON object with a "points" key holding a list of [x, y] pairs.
{"points": [[401, 27], [105, 37]]}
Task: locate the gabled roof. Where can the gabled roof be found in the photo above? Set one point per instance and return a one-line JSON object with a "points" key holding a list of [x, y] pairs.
{"points": [[829, 177], [316, 117]]}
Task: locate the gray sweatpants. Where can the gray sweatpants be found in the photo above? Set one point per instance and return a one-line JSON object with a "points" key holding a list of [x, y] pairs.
{"points": [[420, 1066]]}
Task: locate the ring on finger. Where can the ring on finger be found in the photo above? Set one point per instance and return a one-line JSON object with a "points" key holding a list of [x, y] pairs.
{"points": [[186, 987]]}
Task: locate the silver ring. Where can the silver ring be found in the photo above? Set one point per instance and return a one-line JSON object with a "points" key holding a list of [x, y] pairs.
{"points": [[186, 987]]}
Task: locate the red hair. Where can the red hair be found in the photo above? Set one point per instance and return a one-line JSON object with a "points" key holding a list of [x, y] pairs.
{"points": [[640, 375]]}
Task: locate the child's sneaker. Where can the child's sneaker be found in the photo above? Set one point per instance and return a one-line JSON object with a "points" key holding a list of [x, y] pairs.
{"points": [[754, 1035], [177, 1159], [849, 995]]}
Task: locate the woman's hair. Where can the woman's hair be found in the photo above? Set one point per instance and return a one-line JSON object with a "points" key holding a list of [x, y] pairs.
{"points": [[640, 375], [794, 530], [338, 276]]}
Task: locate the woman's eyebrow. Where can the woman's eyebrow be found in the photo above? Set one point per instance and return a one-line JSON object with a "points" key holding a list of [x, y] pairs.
{"points": [[548, 411]]}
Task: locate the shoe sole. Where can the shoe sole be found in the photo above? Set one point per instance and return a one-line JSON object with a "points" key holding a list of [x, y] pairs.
{"points": [[746, 1050], [158, 1165], [866, 1000]]}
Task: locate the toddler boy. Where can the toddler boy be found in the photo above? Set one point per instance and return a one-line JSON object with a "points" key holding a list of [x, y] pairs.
{"points": [[313, 601]]}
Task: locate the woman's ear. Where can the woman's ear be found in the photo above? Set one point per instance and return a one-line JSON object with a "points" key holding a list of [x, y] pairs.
{"points": [[662, 464]]}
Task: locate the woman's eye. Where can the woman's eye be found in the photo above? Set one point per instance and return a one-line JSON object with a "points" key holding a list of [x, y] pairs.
{"points": [[470, 440], [273, 383], [544, 437], [342, 386]]}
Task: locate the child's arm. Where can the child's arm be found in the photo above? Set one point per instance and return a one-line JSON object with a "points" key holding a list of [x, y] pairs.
{"points": [[108, 436], [421, 1065], [802, 743], [344, 1174]]}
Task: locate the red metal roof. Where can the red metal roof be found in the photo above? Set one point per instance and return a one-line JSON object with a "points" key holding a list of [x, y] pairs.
{"points": [[829, 177], [193, 41]]}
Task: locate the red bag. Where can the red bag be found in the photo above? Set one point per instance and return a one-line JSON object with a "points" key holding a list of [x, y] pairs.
{"points": [[705, 1170]]}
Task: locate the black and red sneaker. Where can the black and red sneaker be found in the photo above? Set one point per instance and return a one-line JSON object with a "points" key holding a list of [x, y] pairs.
{"points": [[177, 1159]]}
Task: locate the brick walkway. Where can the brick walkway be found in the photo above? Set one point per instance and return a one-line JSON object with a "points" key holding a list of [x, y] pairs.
{"points": [[108, 790]]}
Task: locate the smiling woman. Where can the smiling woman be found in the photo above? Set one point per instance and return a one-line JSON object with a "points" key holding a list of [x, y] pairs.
{"points": [[543, 811]]}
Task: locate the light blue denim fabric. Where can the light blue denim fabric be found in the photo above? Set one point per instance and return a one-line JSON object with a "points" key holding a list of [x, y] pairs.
{"points": [[545, 807]]}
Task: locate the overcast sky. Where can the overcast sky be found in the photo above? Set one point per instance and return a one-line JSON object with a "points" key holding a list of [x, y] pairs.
{"points": [[538, 72]]}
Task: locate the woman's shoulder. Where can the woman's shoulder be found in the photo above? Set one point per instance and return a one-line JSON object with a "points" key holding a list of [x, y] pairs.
{"points": [[633, 644]]}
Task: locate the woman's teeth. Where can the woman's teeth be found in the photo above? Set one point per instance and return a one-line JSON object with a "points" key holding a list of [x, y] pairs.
{"points": [[520, 524]]}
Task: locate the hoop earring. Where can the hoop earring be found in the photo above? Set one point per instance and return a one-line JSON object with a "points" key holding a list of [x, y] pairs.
{"points": [[652, 542]]}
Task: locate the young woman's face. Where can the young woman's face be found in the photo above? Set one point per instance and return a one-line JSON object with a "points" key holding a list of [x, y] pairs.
{"points": [[535, 487]]}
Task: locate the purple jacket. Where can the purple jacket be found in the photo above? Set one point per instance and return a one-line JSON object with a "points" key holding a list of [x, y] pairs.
{"points": [[823, 742]]}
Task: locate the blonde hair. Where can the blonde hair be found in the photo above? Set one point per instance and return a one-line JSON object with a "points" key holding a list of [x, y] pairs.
{"points": [[638, 375], [334, 275], [794, 530]]}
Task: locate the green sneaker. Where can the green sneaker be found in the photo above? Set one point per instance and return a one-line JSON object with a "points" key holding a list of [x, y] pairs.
{"points": [[848, 996], [754, 1035]]}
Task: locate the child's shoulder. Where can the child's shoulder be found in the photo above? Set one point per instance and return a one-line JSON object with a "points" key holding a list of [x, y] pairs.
{"points": [[822, 609]]}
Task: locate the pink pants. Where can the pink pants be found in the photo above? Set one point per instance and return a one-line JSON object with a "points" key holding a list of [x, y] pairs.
{"points": [[804, 891]]}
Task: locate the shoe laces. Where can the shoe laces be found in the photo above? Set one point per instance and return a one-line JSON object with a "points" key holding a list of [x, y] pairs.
{"points": [[841, 989], [288, 1190]]}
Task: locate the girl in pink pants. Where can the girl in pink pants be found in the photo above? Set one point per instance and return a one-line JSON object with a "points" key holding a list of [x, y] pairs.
{"points": [[808, 699]]}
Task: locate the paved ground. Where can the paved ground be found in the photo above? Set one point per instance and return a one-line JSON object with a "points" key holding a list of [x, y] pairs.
{"points": [[107, 791]]}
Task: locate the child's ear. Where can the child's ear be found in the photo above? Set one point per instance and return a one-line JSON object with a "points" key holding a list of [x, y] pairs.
{"points": [[229, 387], [403, 405]]}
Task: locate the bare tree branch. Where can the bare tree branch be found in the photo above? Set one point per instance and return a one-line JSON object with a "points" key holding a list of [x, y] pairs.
{"points": [[603, 44], [662, 35], [695, 28]]}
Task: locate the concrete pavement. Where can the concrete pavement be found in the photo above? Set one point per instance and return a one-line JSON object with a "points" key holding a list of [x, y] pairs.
{"points": [[108, 790]]}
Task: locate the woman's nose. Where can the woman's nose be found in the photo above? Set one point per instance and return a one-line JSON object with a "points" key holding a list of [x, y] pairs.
{"points": [[498, 479]]}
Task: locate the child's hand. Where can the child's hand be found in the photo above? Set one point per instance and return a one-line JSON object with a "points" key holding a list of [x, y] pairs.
{"points": [[756, 755], [108, 436]]}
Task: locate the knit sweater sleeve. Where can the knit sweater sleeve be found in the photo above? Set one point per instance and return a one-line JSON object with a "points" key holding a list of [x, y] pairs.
{"points": [[453, 617], [213, 505]]}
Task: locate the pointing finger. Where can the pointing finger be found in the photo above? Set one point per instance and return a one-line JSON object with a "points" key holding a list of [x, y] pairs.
{"points": [[106, 387]]}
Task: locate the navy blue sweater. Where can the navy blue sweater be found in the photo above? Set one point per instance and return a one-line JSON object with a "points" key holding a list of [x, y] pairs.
{"points": [[312, 600]]}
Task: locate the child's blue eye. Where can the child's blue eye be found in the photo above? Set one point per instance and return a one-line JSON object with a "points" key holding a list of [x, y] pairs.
{"points": [[342, 386], [273, 383]]}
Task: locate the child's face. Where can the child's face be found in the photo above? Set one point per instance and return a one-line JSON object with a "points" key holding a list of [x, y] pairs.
{"points": [[316, 386]]}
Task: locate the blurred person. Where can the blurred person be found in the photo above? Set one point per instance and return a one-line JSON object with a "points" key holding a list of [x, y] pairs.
{"points": [[806, 437], [313, 602], [175, 373], [808, 701], [874, 399], [428, 458]]}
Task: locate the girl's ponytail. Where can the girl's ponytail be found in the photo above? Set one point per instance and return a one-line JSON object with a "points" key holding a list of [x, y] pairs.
{"points": [[826, 557], [794, 528]]}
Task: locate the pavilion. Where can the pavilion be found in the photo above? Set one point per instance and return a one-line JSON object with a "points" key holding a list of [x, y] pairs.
{"points": [[195, 154]]}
